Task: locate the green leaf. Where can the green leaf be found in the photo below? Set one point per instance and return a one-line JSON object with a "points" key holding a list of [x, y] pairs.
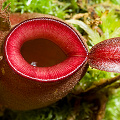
{"points": [[92, 34], [117, 2], [110, 24]]}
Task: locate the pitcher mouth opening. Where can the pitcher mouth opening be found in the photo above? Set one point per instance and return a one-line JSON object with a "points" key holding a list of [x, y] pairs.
{"points": [[42, 53], [50, 29]]}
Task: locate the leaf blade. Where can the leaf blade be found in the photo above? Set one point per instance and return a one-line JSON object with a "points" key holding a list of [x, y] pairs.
{"points": [[106, 55]]}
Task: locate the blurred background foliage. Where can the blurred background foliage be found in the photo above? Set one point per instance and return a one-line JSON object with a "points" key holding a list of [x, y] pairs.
{"points": [[96, 20]]}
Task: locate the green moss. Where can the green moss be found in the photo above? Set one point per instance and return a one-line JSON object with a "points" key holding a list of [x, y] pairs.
{"points": [[112, 111], [39, 6], [110, 27], [57, 111], [94, 75]]}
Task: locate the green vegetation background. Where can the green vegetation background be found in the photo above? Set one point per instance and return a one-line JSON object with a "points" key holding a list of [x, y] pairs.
{"points": [[108, 12]]}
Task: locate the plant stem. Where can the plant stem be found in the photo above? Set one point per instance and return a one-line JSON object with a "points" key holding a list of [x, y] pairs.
{"points": [[98, 86]]}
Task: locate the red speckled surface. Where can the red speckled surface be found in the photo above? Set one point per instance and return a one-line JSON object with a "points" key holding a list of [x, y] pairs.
{"points": [[106, 55]]}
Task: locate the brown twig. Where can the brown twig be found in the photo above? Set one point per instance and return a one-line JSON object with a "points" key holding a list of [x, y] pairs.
{"points": [[103, 83], [101, 111], [1, 2]]}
